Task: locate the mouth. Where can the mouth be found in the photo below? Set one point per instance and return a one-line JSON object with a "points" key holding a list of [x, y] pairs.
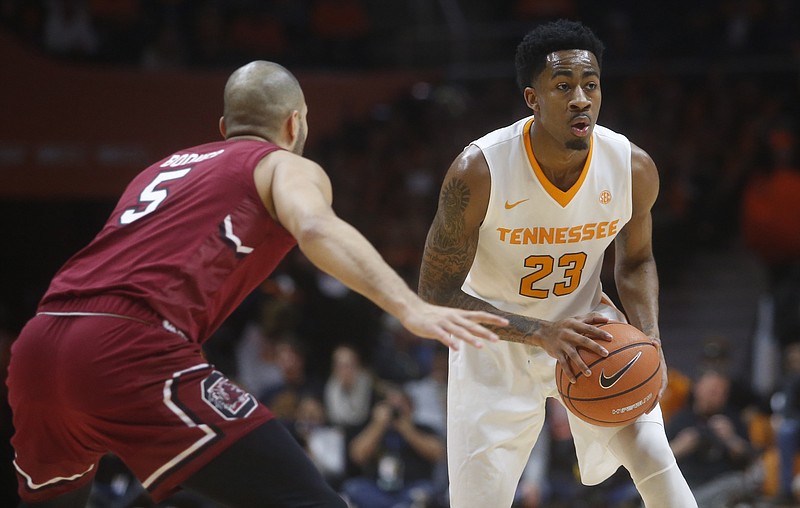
{"points": [[580, 126]]}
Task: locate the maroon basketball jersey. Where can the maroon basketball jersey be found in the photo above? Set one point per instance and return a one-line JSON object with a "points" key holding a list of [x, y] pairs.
{"points": [[189, 239]]}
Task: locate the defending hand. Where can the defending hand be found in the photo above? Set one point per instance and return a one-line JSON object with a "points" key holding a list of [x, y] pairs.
{"points": [[451, 326]]}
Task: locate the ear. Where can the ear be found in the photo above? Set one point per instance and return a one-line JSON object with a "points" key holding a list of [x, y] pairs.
{"points": [[294, 125], [222, 129], [531, 98], [291, 130]]}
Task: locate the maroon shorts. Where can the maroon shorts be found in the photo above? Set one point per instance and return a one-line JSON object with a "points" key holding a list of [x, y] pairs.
{"points": [[81, 387]]}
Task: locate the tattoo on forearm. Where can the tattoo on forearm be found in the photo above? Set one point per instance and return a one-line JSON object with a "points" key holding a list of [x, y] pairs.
{"points": [[449, 227], [448, 258], [447, 252]]}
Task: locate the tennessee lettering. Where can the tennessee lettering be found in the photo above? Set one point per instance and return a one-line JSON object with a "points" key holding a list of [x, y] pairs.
{"points": [[574, 234]]}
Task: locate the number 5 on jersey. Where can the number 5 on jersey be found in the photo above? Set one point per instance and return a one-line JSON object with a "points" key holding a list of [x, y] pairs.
{"points": [[152, 196]]}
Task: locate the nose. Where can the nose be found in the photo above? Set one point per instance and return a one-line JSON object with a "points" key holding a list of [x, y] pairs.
{"points": [[579, 101]]}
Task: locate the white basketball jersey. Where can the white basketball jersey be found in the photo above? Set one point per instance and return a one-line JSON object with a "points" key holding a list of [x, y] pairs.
{"points": [[540, 249]]}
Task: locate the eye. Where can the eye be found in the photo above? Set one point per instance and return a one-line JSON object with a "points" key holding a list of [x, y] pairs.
{"points": [[562, 87], [591, 85]]}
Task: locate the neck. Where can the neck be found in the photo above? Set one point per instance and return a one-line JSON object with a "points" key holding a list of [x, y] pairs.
{"points": [[562, 166], [246, 136]]}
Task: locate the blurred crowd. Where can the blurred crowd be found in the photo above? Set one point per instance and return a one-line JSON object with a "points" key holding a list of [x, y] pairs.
{"points": [[373, 33], [709, 89]]}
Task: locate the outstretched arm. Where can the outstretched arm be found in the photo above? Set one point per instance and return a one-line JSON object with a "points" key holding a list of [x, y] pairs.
{"points": [[635, 268], [298, 193], [450, 250]]}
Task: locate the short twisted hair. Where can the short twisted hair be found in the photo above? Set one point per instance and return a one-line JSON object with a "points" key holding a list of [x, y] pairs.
{"points": [[532, 52]]}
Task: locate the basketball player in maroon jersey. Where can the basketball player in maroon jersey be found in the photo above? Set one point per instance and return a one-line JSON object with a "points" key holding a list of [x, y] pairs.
{"points": [[112, 361]]}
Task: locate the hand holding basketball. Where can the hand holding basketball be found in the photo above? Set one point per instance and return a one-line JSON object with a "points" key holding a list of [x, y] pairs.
{"points": [[564, 339], [622, 386]]}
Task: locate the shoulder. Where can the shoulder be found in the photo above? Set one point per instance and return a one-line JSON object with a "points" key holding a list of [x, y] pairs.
{"points": [[645, 180], [464, 195], [470, 163], [285, 163], [644, 174], [473, 161], [610, 136], [503, 135], [642, 165], [615, 147], [288, 173], [469, 174]]}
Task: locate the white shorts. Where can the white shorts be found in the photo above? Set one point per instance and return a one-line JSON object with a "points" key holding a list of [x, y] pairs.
{"points": [[495, 411]]}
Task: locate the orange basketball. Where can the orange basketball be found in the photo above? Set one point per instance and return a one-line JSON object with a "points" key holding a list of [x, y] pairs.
{"points": [[623, 385]]}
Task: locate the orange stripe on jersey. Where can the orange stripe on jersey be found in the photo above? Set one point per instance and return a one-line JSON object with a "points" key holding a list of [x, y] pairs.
{"points": [[563, 198]]}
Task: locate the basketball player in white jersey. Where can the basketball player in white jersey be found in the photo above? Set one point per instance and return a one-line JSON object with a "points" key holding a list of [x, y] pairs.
{"points": [[525, 215]]}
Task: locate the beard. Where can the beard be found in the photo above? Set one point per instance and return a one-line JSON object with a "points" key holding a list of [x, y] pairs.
{"points": [[301, 142], [577, 144]]}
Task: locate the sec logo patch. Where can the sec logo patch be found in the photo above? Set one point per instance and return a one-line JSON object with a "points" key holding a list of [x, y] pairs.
{"points": [[605, 197]]}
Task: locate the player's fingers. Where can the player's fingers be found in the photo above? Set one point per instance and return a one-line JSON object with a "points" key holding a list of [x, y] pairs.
{"points": [[593, 346], [576, 359], [476, 339], [566, 368], [459, 329], [448, 340], [486, 318], [595, 318], [594, 332], [468, 322]]}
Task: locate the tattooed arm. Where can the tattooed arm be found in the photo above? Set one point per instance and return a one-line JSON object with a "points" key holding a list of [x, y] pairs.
{"points": [[635, 268], [450, 250], [453, 239]]}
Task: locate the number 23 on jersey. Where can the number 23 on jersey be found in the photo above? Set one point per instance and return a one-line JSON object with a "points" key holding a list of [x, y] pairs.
{"points": [[570, 266]]}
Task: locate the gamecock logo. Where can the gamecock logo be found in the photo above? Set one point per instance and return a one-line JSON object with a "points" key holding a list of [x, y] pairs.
{"points": [[226, 398]]}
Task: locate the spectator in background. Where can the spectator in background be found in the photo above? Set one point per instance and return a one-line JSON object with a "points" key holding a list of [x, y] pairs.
{"points": [[429, 400], [716, 354], [348, 397], [711, 444], [255, 354], [786, 404], [284, 398], [429, 394], [324, 443], [400, 357], [397, 457], [771, 228], [349, 390]]}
